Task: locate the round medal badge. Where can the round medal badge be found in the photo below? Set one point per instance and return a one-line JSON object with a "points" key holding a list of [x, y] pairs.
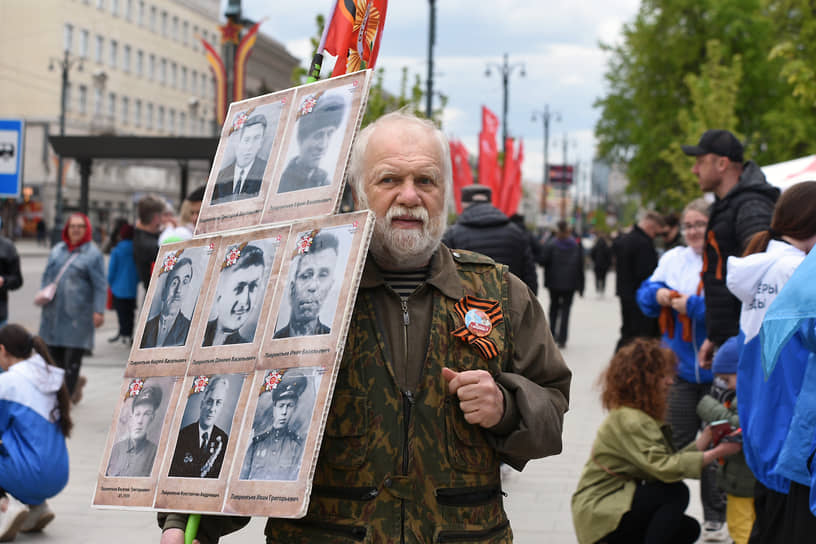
{"points": [[478, 323]]}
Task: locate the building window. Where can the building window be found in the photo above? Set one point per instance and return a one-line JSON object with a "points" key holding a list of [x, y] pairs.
{"points": [[114, 52], [126, 58], [204, 90], [137, 112], [125, 109], [112, 106], [139, 62], [195, 37], [100, 45], [141, 15], [83, 99], [182, 123], [97, 100], [202, 126], [100, 4], [171, 122], [193, 82], [84, 36], [173, 74], [175, 28], [149, 116], [151, 67], [185, 32], [68, 37], [153, 12], [115, 8], [129, 10], [160, 119], [163, 71], [184, 78], [164, 23]]}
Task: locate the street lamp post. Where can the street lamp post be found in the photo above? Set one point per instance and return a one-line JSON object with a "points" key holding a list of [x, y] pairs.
{"points": [[431, 40], [65, 64], [546, 116], [566, 143], [505, 69]]}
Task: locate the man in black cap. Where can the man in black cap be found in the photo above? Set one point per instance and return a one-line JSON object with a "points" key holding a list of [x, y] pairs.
{"points": [[743, 206], [317, 119], [134, 456], [275, 452], [483, 228], [242, 178]]}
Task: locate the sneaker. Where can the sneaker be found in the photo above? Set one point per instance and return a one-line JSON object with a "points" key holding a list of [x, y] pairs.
{"points": [[113, 339], [12, 519], [715, 531], [38, 517]]}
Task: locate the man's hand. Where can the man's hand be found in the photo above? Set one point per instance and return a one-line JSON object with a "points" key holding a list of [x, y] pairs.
{"points": [[174, 536], [480, 399], [679, 304], [98, 319], [706, 353]]}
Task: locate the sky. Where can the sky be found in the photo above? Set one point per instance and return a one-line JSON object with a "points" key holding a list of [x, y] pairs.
{"points": [[557, 44]]}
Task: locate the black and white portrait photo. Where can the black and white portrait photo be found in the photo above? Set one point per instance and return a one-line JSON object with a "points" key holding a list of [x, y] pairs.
{"points": [[205, 426], [312, 155], [139, 428], [174, 300], [315, 276], [239, 293], [280, 425], [251, 137]]}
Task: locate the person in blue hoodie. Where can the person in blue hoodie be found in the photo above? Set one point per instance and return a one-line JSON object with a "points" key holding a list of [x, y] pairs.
{"points": [[124, 284], [35, 419], [673, 294], [769, 397]]}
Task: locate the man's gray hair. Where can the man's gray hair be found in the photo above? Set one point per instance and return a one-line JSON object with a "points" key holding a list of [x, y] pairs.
{"points": [[356, 174]]}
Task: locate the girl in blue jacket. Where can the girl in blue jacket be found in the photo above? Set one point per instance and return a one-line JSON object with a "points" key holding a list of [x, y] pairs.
{"points": [[34, 422]]}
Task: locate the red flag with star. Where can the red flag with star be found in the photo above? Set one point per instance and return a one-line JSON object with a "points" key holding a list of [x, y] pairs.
{"points": [[354, 34]]}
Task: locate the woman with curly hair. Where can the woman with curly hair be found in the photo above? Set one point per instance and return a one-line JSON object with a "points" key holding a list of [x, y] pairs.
{"points": [[631, 488]]}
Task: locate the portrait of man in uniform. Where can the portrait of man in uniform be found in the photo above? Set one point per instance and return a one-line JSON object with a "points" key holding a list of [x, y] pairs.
{"points": [[239, 293], [317, 119], [242, 178], [276, 449], [202, 444], [309, 287], [170, 326], [133, 457]]}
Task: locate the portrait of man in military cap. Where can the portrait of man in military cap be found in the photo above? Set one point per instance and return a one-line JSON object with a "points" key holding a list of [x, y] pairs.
{"points": [[311, 277], [134, 455], [276, 447], [202, 443], [317, 118]]}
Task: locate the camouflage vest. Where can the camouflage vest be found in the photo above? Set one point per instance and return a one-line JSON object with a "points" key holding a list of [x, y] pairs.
{"points": [[397, 467]]}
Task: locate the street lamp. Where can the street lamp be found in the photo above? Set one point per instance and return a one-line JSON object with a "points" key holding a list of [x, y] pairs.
{"points": [[505, 69], [65, 64], [546, 116], [431, 40], [565, 141]]}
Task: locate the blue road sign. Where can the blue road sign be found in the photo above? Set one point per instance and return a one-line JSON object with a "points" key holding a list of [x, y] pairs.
{"points": [[11, 157]]}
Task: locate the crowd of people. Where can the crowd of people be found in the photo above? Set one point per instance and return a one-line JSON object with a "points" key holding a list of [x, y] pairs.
{"points": [[704, 351]]}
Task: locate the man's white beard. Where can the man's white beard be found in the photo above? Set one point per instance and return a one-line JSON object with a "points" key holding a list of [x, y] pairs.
{"points": [[406, 249]]}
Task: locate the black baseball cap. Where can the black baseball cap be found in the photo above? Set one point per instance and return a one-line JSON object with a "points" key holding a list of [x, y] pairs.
{"points": [[476, 193], [718, 141]]}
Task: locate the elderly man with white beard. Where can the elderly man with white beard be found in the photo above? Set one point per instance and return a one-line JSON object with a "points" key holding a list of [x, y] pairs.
{"points": [[449, 370]]}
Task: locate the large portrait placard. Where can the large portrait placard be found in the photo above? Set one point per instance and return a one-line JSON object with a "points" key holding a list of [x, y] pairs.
{"points": [[172, 310], [247, 152], [309, 175], [136, 442], [237, 305]]}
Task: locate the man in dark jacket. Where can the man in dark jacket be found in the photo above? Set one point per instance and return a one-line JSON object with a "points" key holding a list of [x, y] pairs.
{"points": [[10, 276], [636, 259], [483, 228], [146, 235], [563, 261], [743, 205]]}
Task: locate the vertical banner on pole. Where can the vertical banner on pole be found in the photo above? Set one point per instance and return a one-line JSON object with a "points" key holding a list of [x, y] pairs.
{"points": [[11, 157]]}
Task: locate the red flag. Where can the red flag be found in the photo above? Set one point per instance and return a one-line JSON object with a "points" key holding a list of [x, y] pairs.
{"points": [[502, 196], [354, 34], [241, 55], [488, 154], [220, 76], [462, 176], [515, 195]]}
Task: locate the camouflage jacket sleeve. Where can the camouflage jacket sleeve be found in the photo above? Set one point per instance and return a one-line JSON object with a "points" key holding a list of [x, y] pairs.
{"points": [[535, 387]]}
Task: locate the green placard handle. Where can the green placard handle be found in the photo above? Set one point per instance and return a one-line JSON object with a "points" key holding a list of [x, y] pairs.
{"points": [[191, 531]]}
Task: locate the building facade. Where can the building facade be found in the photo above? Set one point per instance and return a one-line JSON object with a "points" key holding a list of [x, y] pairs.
{"points": [[134, 67]]}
